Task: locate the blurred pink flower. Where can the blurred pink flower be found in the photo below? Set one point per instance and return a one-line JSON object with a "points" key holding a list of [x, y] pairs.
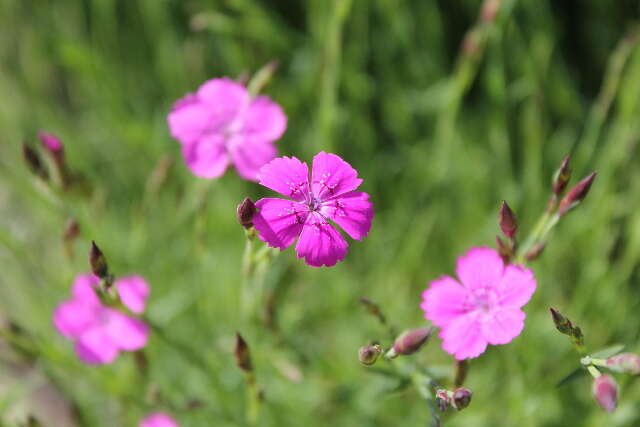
{"points": [[329, 194], [50, 142], [221, 124], [158, 419], [483, 308], [101, 332]]}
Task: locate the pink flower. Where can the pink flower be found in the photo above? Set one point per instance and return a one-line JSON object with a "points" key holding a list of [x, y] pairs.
{"points": [[100, 332], [328, 195], [221, 124], [158, 419], [50, 142], [483, 308]]}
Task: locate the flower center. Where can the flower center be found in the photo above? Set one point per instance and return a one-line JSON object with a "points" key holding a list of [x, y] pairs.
{"points": [[484, 299], [314, 204]]}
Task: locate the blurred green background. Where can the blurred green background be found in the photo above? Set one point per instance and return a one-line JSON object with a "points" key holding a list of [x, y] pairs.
{"points": [[445, 110]]}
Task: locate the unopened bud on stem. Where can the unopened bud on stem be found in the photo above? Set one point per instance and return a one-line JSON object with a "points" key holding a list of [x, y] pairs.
{"points": [[562, 323], [576, 194], [507, 221], [242, 354], [98, 261], [409, 342], [461, 398], [626, 363], [561, 177], [605, 392], [368, 355], [245, 212]]}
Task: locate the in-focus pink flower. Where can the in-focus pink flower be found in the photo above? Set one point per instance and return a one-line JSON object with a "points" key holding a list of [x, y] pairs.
{"points": [[221, 124], [327, 195], [158, 419], [100, 332], [483, 307]]}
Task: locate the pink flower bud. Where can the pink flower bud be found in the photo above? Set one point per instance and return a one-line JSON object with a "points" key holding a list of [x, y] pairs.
{"points": [[576, 194], [50, 142], [461, 398], [507, 221], [411, 341], [626, 363], [245, 212], [443, 399], [605, 392], [369, 354]]}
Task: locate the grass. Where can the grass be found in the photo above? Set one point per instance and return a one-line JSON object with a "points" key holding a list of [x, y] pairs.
{"points": [[441, 134]]}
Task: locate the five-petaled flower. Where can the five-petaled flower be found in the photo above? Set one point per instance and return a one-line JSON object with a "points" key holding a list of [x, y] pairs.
{"points": [[328, 195], [483, 308], [101, 332], [221, 124], [158, 419]]}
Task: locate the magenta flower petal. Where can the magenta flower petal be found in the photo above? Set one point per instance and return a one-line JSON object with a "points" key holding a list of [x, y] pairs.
{"points": [[84, 287], [279, 221], [189, 119], [127, 333], [225, 97], [332, 176], [485, 309], [264, 121], [502, 326], [249, 157], [158, 419], [72, 318], [444, 300], [50, 141], [133, 292], [208, 157], [319, 243], [480, 268], [287, 176], [95, 347], [516, 287], [463, 337], [352, 211]]}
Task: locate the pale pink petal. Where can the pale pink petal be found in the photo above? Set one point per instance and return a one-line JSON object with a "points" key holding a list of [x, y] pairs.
{"points": [[516, 287], [84, 288], [463, 337], [444, 300], [226, 98], [248, 157], [158, 419], [95, 347], [127, 333], [207, 158], [319, 243], [264, 121], [288, 176], [480, 268], [133, 292], [72, 318], [332, 176], [352, 211], [279, 221], [190, 119], [502, 326]]}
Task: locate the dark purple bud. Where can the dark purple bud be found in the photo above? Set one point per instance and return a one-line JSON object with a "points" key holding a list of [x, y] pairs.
{"points": [[242, 354], [245, 212], [535, 251], [576, 195], [605, 392], [369, 354], [562, 323], [561, 177], [626, 363], [461, 398], [507, 221], [411, 341], [98, 261], [32, 159]]}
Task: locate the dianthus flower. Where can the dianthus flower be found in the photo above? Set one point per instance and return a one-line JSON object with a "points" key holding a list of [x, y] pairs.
{"points": [[98, 331], [158, 419], [221, 124], [328, 195], [483, 308]]}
